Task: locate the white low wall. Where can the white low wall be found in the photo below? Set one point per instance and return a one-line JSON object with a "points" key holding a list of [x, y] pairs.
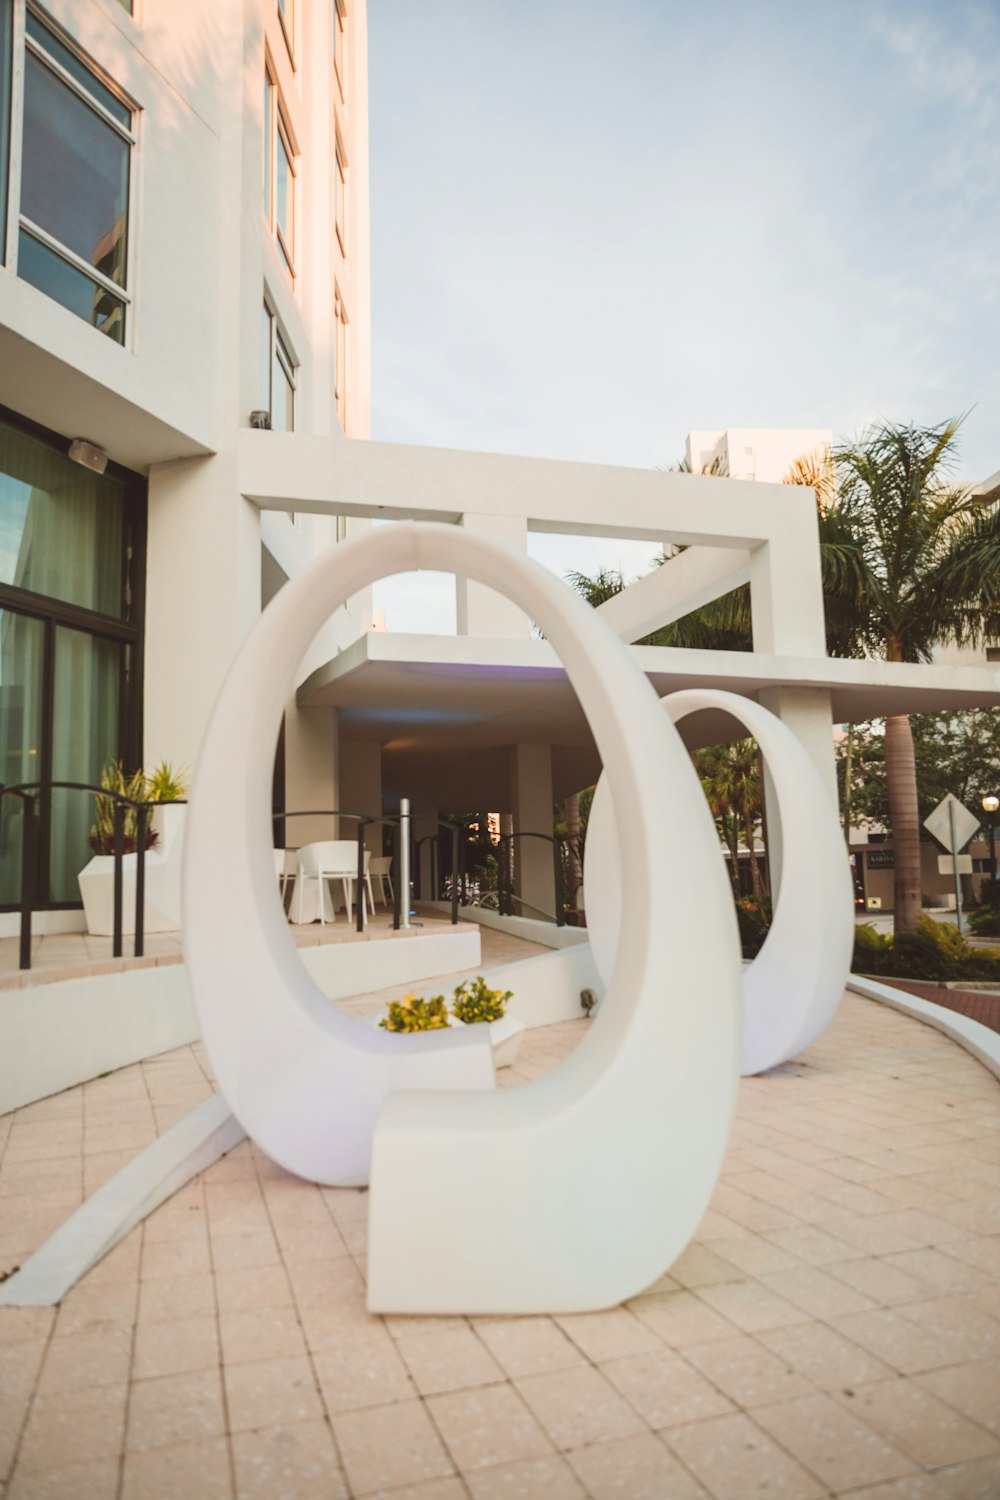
{"points": [[532, 929], [980, 1040], [56, 1035], [546, 987]]}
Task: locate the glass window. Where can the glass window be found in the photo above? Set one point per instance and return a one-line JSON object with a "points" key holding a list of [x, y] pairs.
{"points": [[340, 197], [62, 528], [75, 163], [340, 357], [70, 630], [277, 375], [265, 361], [268, 137], [283, 415], [337, 19], [285, 195], [85, 736], [6, 34], [279, 171], [22, 657], [77, 70]]}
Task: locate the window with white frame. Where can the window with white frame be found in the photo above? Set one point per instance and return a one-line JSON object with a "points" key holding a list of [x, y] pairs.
{"points": [[337, 21], [286, 15], [340, 195], [277, 373], [73, 136], [340, 358], [279, 171]]}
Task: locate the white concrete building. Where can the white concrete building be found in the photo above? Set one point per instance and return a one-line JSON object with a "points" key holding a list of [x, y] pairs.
{"points": [[185, 286], [761, 453]]}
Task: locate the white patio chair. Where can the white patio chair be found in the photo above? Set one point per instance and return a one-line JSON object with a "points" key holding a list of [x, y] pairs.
{"points": [[379, 869], [282, 871], [331, 859]]}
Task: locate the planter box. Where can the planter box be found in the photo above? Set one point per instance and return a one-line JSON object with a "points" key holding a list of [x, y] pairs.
{"points": [[163, 880], [506, 1036]]}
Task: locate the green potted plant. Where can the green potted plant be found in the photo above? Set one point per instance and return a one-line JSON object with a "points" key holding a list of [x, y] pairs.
{"points": [[475, 1003], [414, 1014], [159, 788]]}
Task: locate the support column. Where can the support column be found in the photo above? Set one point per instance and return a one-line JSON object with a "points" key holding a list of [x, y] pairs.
{"points": [[425, 826], [360, 788], [808, 714], [482, 611], [310, 772], [531, 801], [202, 597]]}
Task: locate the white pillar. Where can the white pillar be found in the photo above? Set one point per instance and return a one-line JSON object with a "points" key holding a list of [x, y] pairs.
{"points": [[808, 714], [531, 801], [202, 597], [360, 766], [310, 772], [482, 611]]}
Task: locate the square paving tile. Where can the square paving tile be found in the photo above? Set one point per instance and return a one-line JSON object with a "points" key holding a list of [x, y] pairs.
{"points": [[388, 1446]]}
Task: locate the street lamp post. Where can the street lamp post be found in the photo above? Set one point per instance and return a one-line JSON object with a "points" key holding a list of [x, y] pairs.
{"points": [[990, 805]]}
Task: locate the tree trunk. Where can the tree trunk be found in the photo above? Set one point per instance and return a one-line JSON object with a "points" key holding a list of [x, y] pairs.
{"points": [[755, 883], [573, 836], [901, 779], [730, 830]]}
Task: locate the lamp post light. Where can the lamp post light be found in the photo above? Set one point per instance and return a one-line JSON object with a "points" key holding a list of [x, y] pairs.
{"points": [[990, 805]]}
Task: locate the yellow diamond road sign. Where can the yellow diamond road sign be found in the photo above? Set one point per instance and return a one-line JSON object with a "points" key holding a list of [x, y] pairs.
{"points": [[952, 824]]}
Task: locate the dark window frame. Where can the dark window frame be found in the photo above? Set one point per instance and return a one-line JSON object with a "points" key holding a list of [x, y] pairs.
{"points": [[129, 634]]}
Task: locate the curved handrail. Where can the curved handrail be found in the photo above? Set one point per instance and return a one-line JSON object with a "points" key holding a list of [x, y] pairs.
{"points": [[28, 792]]}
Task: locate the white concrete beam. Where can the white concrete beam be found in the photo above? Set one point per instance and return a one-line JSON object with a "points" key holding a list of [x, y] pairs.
{"points": [[670, 592], [397, 481]]}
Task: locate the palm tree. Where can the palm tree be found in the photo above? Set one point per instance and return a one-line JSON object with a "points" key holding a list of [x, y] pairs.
{"points": [[930, 555], [909, 560]]}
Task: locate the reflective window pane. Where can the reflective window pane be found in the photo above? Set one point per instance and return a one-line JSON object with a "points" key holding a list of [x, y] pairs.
{"points": [[268, 128], [62, 528], [285, 196], [22, 652], [74, 174], [78, 70], [265, 359], [6, 34], [85, 737], [47, 271]]}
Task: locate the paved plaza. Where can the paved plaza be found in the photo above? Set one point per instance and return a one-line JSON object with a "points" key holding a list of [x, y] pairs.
{"points": [[833, 1330]]}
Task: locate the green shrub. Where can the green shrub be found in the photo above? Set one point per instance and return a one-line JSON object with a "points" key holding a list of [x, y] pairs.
{"points": [[411, 1014], [986, 921], [754, 918], [872, 950], [474, 1001]]}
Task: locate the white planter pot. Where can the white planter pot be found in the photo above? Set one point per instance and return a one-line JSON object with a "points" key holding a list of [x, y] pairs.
{"points": [[163, 881], [506, 1036]]}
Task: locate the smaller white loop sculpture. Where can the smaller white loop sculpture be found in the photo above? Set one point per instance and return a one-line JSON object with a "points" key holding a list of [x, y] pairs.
{"points": [[791, 990]]}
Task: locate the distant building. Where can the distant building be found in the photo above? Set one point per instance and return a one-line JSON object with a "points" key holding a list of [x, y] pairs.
{"points": [[761, 453]]}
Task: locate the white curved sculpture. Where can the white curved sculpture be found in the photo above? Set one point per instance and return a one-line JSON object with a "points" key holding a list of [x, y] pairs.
{"points": [[569, 1193], [793, 987], [304, 1080], [580, 1189]]}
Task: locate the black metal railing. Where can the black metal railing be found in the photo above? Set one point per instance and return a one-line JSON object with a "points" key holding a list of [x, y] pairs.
{"points": [[567, 858], [29, 793]]}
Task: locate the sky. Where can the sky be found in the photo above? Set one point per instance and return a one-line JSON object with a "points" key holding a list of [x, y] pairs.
{"points": [[596, 227]]}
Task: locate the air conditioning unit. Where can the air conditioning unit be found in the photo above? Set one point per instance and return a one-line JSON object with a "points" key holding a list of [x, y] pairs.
{"points": [[261, 419]]}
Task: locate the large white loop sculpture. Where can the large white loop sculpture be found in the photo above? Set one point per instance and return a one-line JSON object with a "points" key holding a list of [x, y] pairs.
{"points": [[569, 1193], [793, 987]]}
